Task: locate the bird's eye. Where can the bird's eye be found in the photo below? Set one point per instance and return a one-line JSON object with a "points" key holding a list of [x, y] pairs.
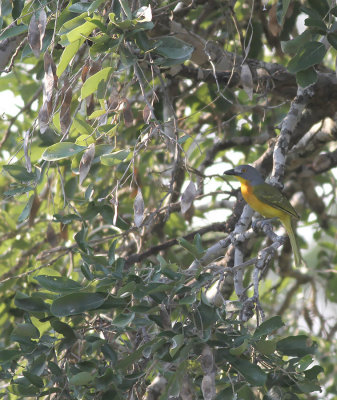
{"points": [[243, 170]]}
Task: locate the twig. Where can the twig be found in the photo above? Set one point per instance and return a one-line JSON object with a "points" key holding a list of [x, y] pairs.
{"points": [[33, 250], [156, 249], [11, 64]]}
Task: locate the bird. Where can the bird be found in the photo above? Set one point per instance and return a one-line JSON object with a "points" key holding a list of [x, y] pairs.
{"points": [[267, 200]]}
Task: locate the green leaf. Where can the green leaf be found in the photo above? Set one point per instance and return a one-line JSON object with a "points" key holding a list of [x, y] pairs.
{"points": [[128, 288], [205, 316], [297, 346], [143, 42], [58, 284], [8, 355], [321, 7], [246, 393], [313, 372], [81, 31], [18, 190], [26, 330], [252, 373], [109, 353], [76, 303], [169, 62], [268, 326], [79, 8], [104, 381], [304, 363], [189, 299], [198, 244], [66, 219], [237, 351], [170, 272], [122, 320], [85, 140], [173, 48], [183, 139], [310, 54], [281, 10], [311, 12], [96, 114], [19, 173], [173, 386], [308, 387], [177, 342], [61, 150], [331, 287], [111, 252], [135, 355], [25, 390], [13, 31], [316, 24], [81, 379], [292, 46], [127, 59], [103, 43], [114, 158], [82, 126], [30, 304], [124, 25], [307, 77], [265, 347], [125, 7], [94, 5], [67, 55], [34, 379], [69, 22], [196, 251], [80, 238], [91, 84], [17, 8], [54, 368], [107, 128], [38, 366], [26, 211], [63, 328], [332, 39]]}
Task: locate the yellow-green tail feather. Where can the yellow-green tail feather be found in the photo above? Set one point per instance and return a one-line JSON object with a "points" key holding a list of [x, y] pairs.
{"points": [[287, 224]]}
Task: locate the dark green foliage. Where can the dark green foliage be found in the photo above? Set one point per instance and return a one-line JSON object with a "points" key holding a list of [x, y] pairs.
{"points": [[120, 121]]}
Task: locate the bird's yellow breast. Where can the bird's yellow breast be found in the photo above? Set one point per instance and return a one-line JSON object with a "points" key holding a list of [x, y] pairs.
{"points": [[264, 209]]}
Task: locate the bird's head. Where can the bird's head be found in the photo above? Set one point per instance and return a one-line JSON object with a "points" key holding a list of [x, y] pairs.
{"points": [[246, 173]]}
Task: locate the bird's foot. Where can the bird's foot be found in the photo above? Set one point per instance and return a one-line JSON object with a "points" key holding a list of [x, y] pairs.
{"points": [[259, 224]]}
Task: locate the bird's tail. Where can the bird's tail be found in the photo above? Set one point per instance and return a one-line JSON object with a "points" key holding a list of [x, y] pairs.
{"points": [[288, 225]]}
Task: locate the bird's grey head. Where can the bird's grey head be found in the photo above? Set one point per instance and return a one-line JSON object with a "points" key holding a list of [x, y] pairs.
{"points": [[246, 172]]}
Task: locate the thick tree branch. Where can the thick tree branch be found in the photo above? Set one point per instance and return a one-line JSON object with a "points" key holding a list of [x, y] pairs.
{"points": [[288, 125]]}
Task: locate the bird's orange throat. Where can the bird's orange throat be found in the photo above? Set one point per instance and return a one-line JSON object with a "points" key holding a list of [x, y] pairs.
{"points": [[246, 190]]}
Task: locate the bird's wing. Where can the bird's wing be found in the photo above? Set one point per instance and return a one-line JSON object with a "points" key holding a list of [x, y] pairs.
{"points": [[272, 196]]}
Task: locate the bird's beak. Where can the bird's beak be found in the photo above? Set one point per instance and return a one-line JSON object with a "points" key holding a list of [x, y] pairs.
{"points": [[230, 172]]}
